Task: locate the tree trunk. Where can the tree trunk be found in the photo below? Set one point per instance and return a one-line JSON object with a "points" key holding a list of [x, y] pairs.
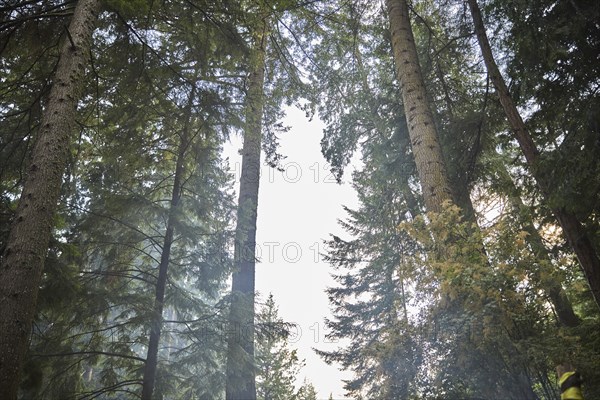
{"points": [[161, 282], [241, 372], [549, 284], [23, 259], [431, 168], [424, 140], [571, 226]]}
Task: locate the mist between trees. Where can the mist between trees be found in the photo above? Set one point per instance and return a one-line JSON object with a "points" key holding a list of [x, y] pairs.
{"points": [[129, 241]]}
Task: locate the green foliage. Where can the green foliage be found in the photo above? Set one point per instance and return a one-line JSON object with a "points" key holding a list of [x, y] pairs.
{"points": [[352, 81], [373, 273], [277, 365], [129, 8], [481, 293], [424, 299], [95, 305], [552, 61]]}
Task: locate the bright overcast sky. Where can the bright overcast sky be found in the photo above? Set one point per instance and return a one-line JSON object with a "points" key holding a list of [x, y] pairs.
{"points": [[297, 210]]}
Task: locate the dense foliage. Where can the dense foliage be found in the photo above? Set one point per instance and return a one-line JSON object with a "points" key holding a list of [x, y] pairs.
{"points": [[462, 320], [480, 300]]}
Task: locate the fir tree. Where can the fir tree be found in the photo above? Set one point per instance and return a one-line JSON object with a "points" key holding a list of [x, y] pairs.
{"points": [[278, 366]]}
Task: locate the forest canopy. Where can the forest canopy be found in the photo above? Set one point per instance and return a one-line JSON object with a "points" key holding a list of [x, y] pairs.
{"points": [[469, 268]]}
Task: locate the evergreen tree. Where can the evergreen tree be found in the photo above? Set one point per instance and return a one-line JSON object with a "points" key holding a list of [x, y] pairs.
{"points": [[307, 391], [27, 244], [370, 303], [570, 224], [425, 145], [277, 365], [435, 185], [481, 298], [271, 80], [127, 169], [240, 353], [342, 135]]}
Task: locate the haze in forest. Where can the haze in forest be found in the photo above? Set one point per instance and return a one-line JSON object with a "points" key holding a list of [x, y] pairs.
{"points": [[285, 200]]}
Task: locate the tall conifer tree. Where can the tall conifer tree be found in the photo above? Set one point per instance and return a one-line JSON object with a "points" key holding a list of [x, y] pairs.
{"points": [[23, 258], [240, 347], [573, 230]]}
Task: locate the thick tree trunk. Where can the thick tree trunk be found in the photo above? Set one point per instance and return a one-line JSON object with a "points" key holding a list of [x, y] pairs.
{"points": [[551, 286], [571, 226], [241, 372], [431, 168], [424, 140], [161, 282], [23, 259]]}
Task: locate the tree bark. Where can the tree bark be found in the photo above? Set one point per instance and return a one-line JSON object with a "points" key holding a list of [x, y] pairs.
{"points": [[572, 228], [240, 379], [23, 258], [161, 282], [424, 139], [431, 168], [549, 284]]}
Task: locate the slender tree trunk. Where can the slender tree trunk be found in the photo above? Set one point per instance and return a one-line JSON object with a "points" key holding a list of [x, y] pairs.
{"points": [[571, 226], [424, 140], [241, 372], [161, 282], [550, 285], [23, 258]]}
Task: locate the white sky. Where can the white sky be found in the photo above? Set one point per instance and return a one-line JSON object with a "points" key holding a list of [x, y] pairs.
{"points": [[297, 210]]}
